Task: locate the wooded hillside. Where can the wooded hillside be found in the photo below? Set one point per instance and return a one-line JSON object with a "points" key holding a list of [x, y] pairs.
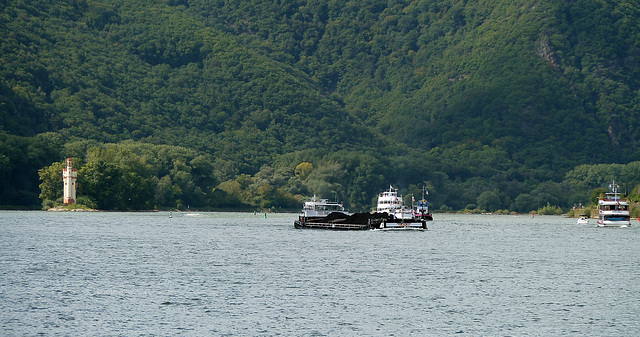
{"points": [[481, 101]]}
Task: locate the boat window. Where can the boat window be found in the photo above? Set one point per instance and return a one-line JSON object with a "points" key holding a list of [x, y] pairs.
{"points": [[616, 217], [615, 207]]}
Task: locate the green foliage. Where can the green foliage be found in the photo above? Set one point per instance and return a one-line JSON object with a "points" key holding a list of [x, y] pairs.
{"points": [[489, 200], [106, 183], [86, 202], [20, 160], [136, 176], [445, 209], [48, 203], [596, 194], [51, 181], [199, 103], [634, 196], [524, 203], [550, 210], [634, 211], [586, 211], [303, 170]]}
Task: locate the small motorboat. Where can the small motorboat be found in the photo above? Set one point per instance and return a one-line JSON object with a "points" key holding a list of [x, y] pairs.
{"points": [[583, 220]]}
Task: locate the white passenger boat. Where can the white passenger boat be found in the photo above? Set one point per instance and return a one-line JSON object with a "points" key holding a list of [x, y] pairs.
{"points": [[613, 211], [325, 214]]}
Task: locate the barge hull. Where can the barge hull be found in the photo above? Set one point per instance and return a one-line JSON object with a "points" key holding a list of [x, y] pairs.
{"points": [[333, 226], [359, 221], [399, 224]]}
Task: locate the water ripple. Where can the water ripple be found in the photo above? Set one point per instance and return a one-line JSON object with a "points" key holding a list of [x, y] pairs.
{"points": [[234, 274]]}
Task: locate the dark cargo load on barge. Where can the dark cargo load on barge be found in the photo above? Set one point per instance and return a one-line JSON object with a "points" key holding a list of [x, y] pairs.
{"points": [[356, 221]]}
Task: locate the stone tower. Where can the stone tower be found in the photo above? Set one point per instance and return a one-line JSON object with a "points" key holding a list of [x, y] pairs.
{"points": [[69, 175]]}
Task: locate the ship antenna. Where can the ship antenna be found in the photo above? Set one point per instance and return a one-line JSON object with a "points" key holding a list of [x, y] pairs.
{"points": [[424, 189], [614, 188]]}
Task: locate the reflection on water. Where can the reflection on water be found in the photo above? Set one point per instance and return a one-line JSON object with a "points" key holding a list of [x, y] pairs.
{"points": [[244, 274]]}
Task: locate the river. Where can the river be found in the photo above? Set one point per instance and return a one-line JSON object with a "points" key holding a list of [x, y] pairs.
{"points": [[240, 274]]}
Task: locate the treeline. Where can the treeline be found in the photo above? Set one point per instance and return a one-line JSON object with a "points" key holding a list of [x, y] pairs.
{"points": [[142, 176], [135, 175]]}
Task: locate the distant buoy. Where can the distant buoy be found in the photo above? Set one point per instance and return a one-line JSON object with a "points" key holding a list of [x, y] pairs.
{"points": [[265, 215]]}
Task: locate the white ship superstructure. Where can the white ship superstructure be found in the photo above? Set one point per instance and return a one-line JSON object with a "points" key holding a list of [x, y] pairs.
{"points": [[613, 211], [390, 202], [317, 208]]}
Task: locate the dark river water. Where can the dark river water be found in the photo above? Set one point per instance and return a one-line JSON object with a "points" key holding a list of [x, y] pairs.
{"points": [[228, 274]]}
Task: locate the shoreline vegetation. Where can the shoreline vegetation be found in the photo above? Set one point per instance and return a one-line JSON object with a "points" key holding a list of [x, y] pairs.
{"points": [[69, 209], [588, 211], [84, 204]]}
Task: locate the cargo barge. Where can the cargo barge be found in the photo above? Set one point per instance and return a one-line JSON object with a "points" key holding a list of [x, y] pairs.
{"points": [[390, 214]]}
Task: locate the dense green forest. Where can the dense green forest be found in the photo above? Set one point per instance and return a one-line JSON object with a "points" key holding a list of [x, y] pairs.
{"points": [[216, 104]]}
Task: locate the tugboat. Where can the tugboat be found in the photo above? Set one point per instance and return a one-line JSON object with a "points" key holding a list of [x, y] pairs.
{"points": [[613, 211], [399, 216], [421, 210]]}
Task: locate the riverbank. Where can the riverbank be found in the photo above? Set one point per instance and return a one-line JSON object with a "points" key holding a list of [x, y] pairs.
{"points": [[70, 208]]}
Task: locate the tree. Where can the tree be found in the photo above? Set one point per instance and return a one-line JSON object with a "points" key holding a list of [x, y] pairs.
{"points": [[105, 184], [51, 187], [489, 200], [164, 192], [303, 170], [597, 194], [524, 203]]}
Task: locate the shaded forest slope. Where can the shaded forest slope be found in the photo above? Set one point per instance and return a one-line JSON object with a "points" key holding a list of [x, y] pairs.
{"points": [[546, 81]]}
